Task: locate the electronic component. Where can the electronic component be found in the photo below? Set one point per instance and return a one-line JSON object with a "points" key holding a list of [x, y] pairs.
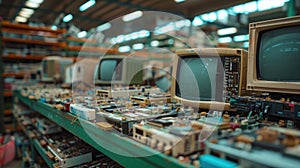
{"points": [[83, 112], [170, 140], [46, 126], [215, 162], [265, 147], [266, 108]]}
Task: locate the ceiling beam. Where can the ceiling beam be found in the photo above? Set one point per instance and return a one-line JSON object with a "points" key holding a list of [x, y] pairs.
{"points": [[137, 6], [108, 8], [60, 8]]}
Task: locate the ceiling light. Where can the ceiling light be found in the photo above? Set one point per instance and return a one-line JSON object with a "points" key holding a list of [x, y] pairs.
{"points": [[154, 43], [68, 18], [179, 1], [36, 1], [24, 14], [230, 30], [124, 49], [53, 27], [197, 21], [103, 27], [27, 10], [225, 40], [244, 37], [21, 19], [132, 16], [87, 5], [138, 46], [246, 44], [31, 4], [81, 34]]}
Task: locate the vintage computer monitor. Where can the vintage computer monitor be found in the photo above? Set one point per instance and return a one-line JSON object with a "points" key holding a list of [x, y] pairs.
{"points": [[53, 67], [119, 70], [207, 78], [274, 56]]}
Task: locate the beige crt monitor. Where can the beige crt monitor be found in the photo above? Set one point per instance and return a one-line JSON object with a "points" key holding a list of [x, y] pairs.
{"points": [[207, 78], [117, 69], [274, 56]]}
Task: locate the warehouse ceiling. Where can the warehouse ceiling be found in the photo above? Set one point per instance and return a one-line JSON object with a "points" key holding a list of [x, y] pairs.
{"points": [[106, 10]]}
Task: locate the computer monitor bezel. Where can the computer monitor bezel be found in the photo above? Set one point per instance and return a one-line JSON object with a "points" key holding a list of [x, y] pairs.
{"points": [[210, 52], [253, 83], [125, 73]]}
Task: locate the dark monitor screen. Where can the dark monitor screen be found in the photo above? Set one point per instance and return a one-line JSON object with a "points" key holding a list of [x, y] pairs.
{"points": [[196, 78], [110, 69], [278, 55]]}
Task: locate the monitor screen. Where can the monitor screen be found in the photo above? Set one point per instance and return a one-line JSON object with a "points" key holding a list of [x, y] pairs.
{"points": [[196, 78], [278, 55], [110, 69]]}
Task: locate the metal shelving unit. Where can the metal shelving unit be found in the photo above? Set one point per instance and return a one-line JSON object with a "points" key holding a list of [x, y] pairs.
{"points": [[119, 148], [34, 143], [1, 84]]}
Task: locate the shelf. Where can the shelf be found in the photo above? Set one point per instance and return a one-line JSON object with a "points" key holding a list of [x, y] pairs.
{"points": [[82, 40], [26, 27], [120, 148], [7, 93], [29, 41], [11, 74], [7, 112], [29, 32], [26, 57], [42, 153], [92, 49]]}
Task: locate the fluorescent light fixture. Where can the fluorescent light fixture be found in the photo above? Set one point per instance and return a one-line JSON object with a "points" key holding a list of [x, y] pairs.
{"points": [[278, 3], [24, 14], [222, 14], [120, 38], [164, 29], [87, 5], [138, 46], [238, 8], [27, 10], [82, 34], [21, 19], [124, 49], [246, 44], [170, 41], [143, 33], [132, 16], [31, 4], [197, 21], [36, 1], [53, 27], [179, 1], [68, 18], [225, 40], [244, 37], [230, 30], [264, 5], [104, 26], [209, 17], [154, 43], [252, 6]]}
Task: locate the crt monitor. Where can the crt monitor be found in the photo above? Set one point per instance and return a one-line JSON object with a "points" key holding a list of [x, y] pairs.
{"points": [[274, 56], [118, 69], [53, 68], [207, 78]]}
